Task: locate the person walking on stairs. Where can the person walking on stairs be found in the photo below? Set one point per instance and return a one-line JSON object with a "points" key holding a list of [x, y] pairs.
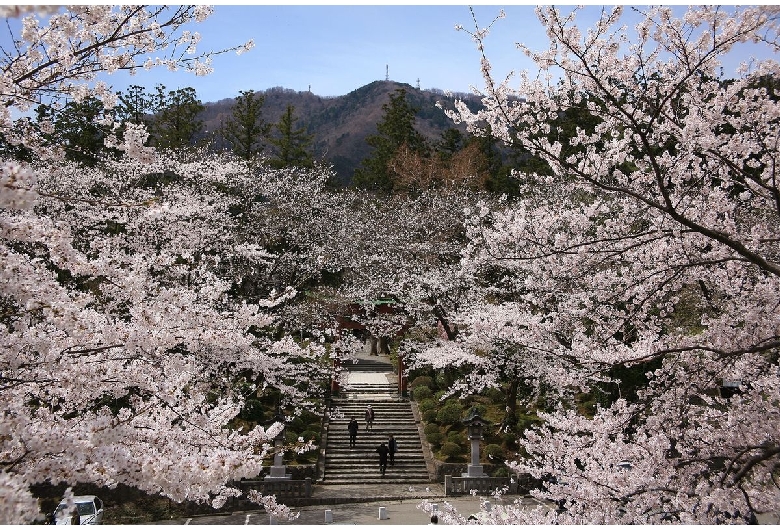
{"points": [[392, 447], [383, 452], [369, 418], [353, 430]]}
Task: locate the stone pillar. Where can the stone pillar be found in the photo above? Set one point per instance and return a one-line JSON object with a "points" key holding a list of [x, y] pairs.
{"points": [[475, 469], [334, 382], [278, 471], [475, 424], [402, 390]]}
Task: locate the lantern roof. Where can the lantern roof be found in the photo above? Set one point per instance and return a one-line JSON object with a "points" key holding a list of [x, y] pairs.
{"points": [[473, 418]]}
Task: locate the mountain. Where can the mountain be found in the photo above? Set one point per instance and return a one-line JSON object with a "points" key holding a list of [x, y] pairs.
{"points": [[340, 124]]}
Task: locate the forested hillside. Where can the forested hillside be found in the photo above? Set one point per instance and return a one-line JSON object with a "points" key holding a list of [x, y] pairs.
{"points": [[340, 125]]}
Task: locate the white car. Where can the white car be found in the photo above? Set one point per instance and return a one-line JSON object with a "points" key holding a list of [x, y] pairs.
{"points": [[87, 509]]}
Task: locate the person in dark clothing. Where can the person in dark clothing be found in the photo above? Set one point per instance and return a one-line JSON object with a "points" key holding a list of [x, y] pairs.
{"points": [[392, 447], [353, 430], [383, 451]]}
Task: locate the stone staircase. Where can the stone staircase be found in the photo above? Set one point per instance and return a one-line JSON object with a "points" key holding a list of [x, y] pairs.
{"points": [[370, 382]]}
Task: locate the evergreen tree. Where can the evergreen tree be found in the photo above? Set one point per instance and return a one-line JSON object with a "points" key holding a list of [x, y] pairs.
{"points": [[451, 142], [135, 104], [395, 130], [175, 123], [246, 130], [292, 144], [76, 129], [495, 175]]}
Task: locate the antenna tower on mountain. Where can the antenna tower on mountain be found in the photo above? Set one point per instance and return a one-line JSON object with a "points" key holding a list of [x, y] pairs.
{"points": [[387, 72], [418, 83]]}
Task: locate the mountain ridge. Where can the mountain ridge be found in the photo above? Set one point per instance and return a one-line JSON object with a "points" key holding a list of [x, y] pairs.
{"points": [[339, 125]]}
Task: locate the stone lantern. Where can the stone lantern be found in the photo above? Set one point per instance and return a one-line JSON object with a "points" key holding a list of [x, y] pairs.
{"points": [[279, 470], [476, 425]]}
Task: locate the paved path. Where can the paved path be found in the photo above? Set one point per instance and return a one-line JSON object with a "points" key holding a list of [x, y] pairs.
{"points": [[400, 512]]}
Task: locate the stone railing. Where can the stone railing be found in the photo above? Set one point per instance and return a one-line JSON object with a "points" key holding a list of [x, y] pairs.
{"points": [[283, 489], [483, 485]]}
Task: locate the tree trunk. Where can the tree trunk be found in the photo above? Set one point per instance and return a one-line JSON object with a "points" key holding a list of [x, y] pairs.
{"points": [[374, 343], [441, 316], [510, 417]]}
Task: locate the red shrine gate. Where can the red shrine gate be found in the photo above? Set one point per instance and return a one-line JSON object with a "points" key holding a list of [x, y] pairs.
{"points": [[351, 320]]}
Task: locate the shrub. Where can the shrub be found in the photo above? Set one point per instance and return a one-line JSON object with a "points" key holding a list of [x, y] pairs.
{"points": [[495, 453], [495, 395], [431, 427], [290, 436], [422, 392], [435, 438], [456, 437], [429, 416], [427, 404], [526, 421], [422, 380], [450, 449], [450, 413], [311, 435], [443, 380]]}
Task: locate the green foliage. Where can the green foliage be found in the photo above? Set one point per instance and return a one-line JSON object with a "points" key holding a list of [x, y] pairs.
{"points": [[450, 449], [396, 129], [526, 421], [245, 130], [444, 379], [292, 145], [134, 105], [452, 141], [253, 411], [456, 437], [495, 452], [422, 392], [176, 122], [496, 395], [422, 380], [427, 404], [429, 416], [77, 129], [435, 439], [431, 427], [450, 413], [312, 435], [501, 472]]}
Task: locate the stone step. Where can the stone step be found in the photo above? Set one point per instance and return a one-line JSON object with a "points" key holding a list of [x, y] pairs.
{"points": [[393, 415], [361, 467], [376, 477], [368, 365], [366, 392], [374, 472], [374, 437], [389, 416], [339, 411], [407, 459]]}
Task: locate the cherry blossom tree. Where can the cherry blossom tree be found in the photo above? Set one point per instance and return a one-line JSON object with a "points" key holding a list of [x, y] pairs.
{"points": [[126, 356], [651, 241], [60, 58]]}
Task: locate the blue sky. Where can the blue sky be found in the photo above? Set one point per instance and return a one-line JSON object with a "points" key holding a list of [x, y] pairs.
{"points": [[336, 49]]}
